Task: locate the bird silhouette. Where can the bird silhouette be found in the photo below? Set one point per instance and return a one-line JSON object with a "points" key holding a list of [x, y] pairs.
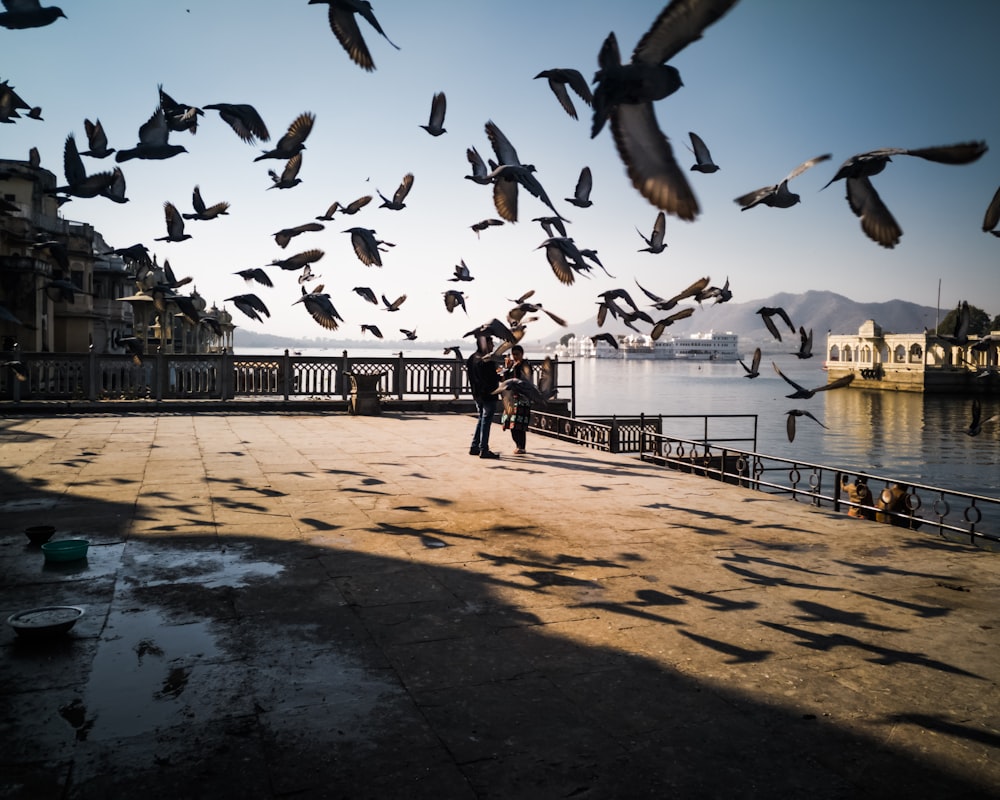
{"points": [[397, 204], [373, 329], [78, 182], [605, 337], [462, 273], [511, 173], [804, 394], [703, 158], [977, 422], [435, 125], [308, 275], [344, 25], [366, 293], [584, 185], [320, 308], [553, 226], [179, 116], [395, 304], [480, 174], [351, 208], [790, 422], [251, 305], [410, 335], [766, 312], [201, 211], [778, 196], [805, 343], [654, 244], [244, 120], [366, 246], [21, 14], [992, 217], [285, 235], [564, 257], [877, 221], [154, 144], [97, 140], [299, 260], [289, 175], [293, 142], [661, 325], [482, 225], [625, 94], [175, 225], [753, 371], [453, 299], [255, 274], [559, 79]]}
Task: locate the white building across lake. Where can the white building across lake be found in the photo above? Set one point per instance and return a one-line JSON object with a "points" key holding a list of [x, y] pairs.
{"points": [[709, 346]]}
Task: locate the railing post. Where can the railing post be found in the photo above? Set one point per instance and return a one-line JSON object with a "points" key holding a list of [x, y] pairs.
{"points": [[342, 375], [400, 375], [613, 443], [16, 384], [91, 388], [160, 374], [286, 375]]}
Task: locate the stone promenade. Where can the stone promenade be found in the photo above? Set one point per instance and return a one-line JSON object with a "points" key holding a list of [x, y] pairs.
{"points": [[325, 606]]}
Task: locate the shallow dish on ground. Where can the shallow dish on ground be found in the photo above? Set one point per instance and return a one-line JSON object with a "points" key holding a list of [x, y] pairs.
{"points": [[39, 534], [45, 621], [66, 549]]}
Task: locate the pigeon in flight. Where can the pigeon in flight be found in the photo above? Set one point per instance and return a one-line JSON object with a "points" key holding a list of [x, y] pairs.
{"points": [[766, 312], [410, 335], [293, 142], [175, 225], [454, 298], [78, 182], [553, 226], [482, 225], [480, 174], [201, 211], [21, 14], [435, 125], [373, 329], [992, 218], [289, 175], [397, 204], [625, 95], [663, 324], [703, 158], [559, 79], [778, 196], [655, 241], [299, 260], [753, 371], [367, 294], [564, 257], [179, 117], [344, 25], [320, 308], [395, 304], [509, 174], [153, 141], [976, 425], [877, 221], [307, 274], [97, 140], [462, 272], [790, 422], [805, 343], [251, 305], [285, 235], [255, 274], [803, 393], [605, 337], [350, 208], [366, 246], [584, 184], [244, 120]]}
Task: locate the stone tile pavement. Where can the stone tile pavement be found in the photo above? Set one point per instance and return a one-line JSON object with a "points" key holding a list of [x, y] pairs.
{"points": [[326, 606]]}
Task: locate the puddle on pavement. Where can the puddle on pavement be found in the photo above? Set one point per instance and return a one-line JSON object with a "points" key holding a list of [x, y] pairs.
{"points": [[141, 675], [212, 570]]}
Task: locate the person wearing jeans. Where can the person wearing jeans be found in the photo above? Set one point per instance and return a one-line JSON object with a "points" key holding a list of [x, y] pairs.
{"points": [[484, 380]]}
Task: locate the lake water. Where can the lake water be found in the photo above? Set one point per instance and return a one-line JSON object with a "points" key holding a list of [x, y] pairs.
{"points": [[913, 437]]}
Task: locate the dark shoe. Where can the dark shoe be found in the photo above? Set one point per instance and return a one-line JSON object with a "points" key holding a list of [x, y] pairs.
{"points": [[474, 451], [489, 454]]}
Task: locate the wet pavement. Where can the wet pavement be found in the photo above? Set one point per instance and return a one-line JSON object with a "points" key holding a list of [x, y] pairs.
{"points": [[327, 606]]}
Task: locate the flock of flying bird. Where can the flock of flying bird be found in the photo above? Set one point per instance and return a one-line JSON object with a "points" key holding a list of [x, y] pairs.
{"points": [[622, 98]]}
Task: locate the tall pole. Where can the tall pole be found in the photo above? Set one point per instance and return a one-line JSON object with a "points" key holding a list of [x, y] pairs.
{"points": [[937, 311]]}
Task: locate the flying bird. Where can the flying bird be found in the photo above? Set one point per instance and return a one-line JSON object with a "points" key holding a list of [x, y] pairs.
{"points": [[435, 125], [605, 337], [625, 94], [285, 235], [351, 208], [115, 189], [21, 14], [778, 196], [462, 273], [766, 312], [320, 307], [366, 293], [564, 257], [559, 79], [97, 140], [511, 173], [790, 422], [805, 343], [154, 135], [753, 371], [299, 260], [366, 246], [584, 184], [877, 221], [244, 120], [293, 142], [289, 175], [410, 335], [175, 225], [397, 204], [992, 218], [662, 324], [804, 394], [201, 211], [655, 241], [251, 305], [703, 158], [78, 182], [373, 329], [976, 425], [553, 226], [482, 225], [307, 274], [179, 116], [395, 304], [344, 25], [255, 274], [480, 174], [454, 298]]}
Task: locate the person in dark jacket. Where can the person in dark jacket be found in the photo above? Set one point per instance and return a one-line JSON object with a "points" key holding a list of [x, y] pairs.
{"points": [[516, 415], [484, 380]]}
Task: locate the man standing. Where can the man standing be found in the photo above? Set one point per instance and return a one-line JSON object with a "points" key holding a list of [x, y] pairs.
{"points": [[484, 380]]}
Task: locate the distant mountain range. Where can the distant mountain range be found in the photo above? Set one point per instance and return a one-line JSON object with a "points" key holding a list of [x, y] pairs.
{"points": [[819, 311]]}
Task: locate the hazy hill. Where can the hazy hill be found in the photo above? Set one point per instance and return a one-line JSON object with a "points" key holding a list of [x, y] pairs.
{"points": [[820, 311]]}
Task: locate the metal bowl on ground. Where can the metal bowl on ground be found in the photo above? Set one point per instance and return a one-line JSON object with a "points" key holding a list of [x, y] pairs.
{"points": [[66, 549], [39, 534], [45, 621]]}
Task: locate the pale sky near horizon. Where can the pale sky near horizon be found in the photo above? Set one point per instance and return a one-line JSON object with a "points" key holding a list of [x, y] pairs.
{"points": [[771, 84]]}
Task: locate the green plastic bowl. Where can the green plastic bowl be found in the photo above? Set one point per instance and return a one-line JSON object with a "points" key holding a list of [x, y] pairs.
{"points": [[66, 549]]}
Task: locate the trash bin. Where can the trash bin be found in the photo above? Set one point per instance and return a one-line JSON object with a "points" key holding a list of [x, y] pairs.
{"points": [[364, 400]]}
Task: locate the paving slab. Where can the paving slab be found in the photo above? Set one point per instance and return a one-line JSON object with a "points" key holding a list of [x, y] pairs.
{"points": [[302, 605]]}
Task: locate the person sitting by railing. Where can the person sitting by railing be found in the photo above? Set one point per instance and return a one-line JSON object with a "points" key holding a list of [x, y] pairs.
{"points": [[860, 497], [894, 508]]}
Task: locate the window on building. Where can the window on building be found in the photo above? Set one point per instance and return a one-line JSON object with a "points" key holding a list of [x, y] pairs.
{"points": [[916, 354], [835, 353], [866, 355], [847, 353], [899, 354]]}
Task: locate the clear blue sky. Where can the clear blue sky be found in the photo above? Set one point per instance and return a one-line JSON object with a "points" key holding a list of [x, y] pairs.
{"points": [[773, 83]]}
